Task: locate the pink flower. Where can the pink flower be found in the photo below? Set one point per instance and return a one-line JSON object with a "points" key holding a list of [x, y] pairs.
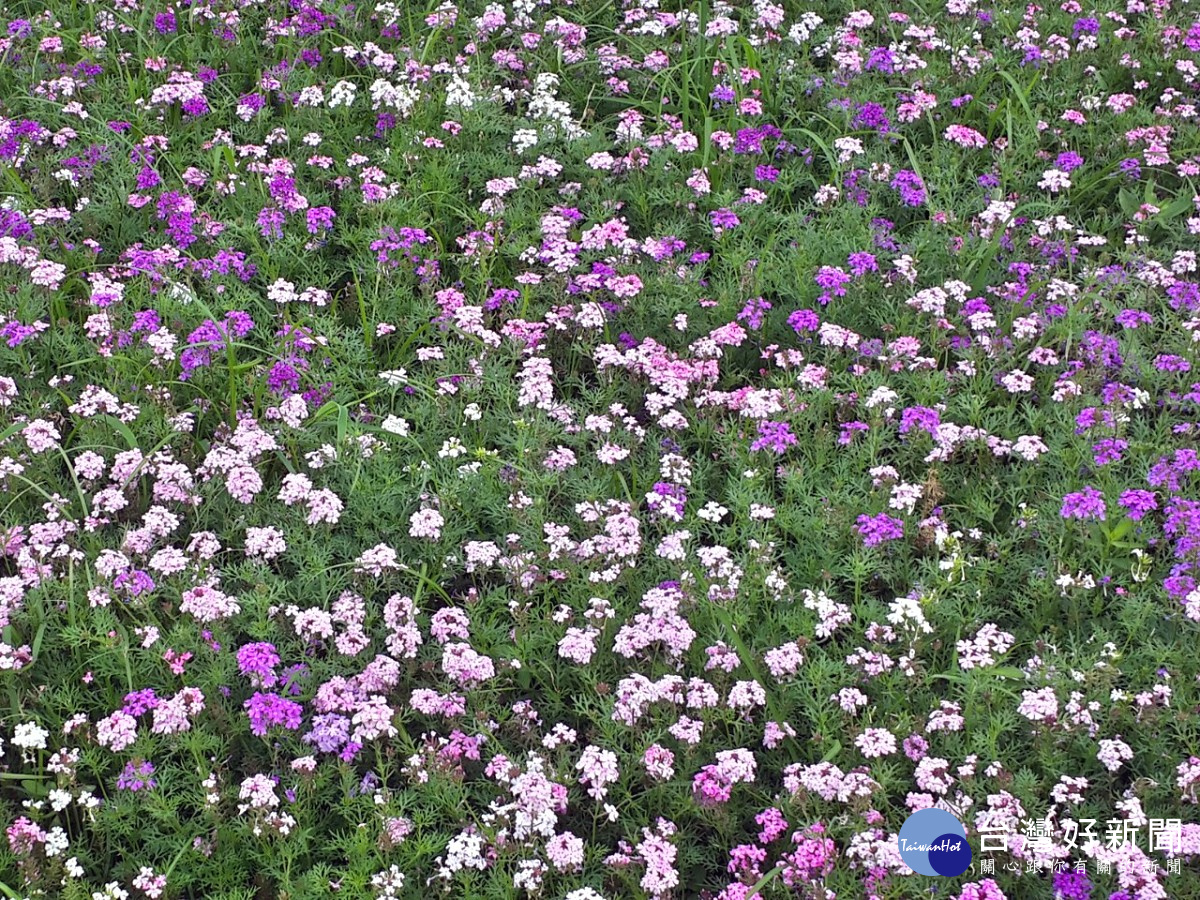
{"points": [[565, 852], [659, 762], [265, 543], [965, 137], [876, 742], [208, 603], [579, 645], [1113, 753], [464, 666], [116, 732], [598, 769], [426, 523]]}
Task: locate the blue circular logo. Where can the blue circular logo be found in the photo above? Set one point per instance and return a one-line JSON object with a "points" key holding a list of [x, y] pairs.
{"points": [[933, 842]]}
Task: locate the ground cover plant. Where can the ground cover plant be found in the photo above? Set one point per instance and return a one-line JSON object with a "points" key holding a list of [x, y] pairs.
{"points": [[597, 450]]}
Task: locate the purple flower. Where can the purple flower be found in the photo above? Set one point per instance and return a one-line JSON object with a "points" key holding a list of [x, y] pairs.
{"points": [[1101, 349], [910, 187], [136, 777], [879, 528], [1072, 886], [1138, 503], [832, 281], [292, 677], [922, 417], [1133, 318], [329, 733], [882, 60], [711, 788], [872, 115], [754, 312], [195, 106], [915, 747], [849, 429], [500, 297], [804, 320], [384, 122], [269, 710], [861, 263], [1131, 168], [259, 661], [319, 218], [284, 378], [147, 178], [775, 436], [135, 582], [722, 93], [1184, 295], [668, 496], [270, 222], [13, 224], [1068, 161], [1108, 451], [724, 218], [15, 334], [1085, 504], [140, 702], [1168, 362]]}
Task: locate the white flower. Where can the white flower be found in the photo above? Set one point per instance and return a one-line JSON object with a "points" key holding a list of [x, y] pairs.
{"points": [[29, 736], [60, 799], [458, 93], [181, 292], [395, 425], [394, 377], [1054, 180], [112, 891], [524, 138], [56, 841], [281, 291], [342, 94]]}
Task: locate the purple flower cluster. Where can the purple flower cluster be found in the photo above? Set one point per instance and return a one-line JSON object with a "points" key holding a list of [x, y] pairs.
{"points": [[267, 711], [879, 528], [775, 436], [136, 777], [210, 338]]}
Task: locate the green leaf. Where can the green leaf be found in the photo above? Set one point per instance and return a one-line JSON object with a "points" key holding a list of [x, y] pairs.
{"points": [[949, 676], [1128, 201], [1010, 672], [1175, 208], [37, 641], [1120, 531], [122, 429]]}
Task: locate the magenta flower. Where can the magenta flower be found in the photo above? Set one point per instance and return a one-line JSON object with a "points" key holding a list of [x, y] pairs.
{"points": [[775, 436], [1085, 504], [269, 710], [711, 788], [877, 529]]}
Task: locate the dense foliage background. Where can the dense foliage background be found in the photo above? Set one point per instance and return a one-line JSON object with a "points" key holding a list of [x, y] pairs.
{"points": [[597, 450]]}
